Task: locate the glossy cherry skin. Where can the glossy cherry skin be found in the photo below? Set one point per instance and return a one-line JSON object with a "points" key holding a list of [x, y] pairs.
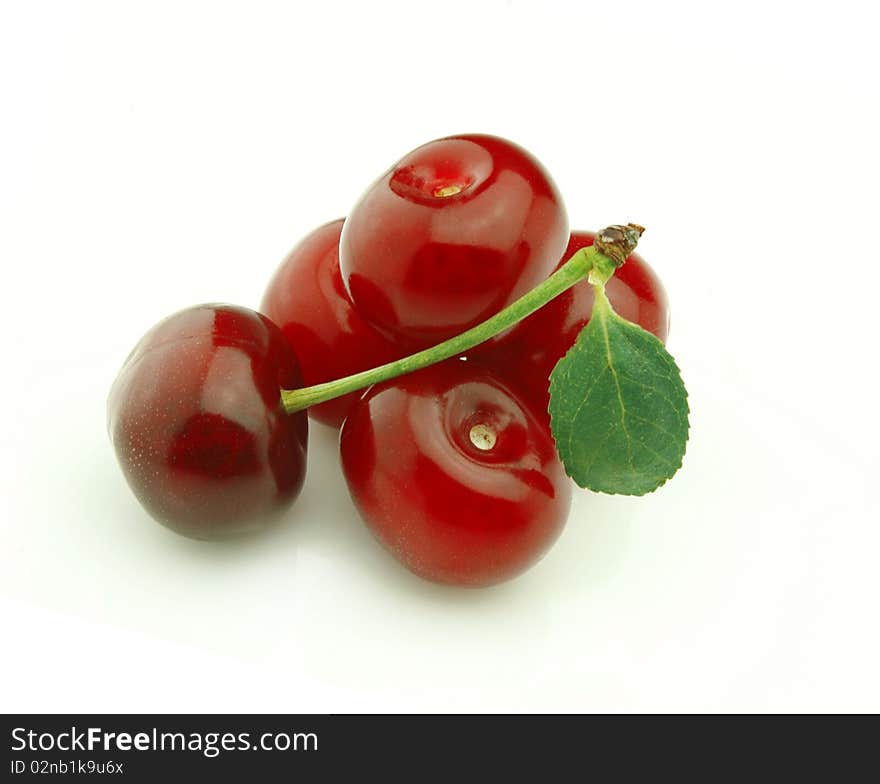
{"points": [[307, 300], [196, 420], [457, 478], [449, 235], [529, 351]]}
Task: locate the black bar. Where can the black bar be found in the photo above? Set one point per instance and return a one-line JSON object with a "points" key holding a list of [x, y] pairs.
{"points": [[417, 748]]}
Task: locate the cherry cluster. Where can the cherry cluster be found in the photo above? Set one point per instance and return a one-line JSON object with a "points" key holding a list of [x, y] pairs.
{"points": [[453, 466]]}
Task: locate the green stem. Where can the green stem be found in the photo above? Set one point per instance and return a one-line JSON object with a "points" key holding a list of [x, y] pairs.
{"points": [[578, 267]]}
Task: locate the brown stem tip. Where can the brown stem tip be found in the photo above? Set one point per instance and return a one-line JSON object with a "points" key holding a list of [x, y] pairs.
{"points": [[617, 242]]}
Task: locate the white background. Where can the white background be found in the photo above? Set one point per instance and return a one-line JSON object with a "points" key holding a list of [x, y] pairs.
{"points": [[158, 155]]}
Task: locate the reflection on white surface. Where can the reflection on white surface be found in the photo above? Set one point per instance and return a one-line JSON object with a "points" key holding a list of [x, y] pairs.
{"points": [[730, 587]]}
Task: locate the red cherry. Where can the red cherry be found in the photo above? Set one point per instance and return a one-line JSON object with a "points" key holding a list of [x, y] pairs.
{"points": [[452, 233], [529, 351], [307, 300], [196, 420], [455, 475]]}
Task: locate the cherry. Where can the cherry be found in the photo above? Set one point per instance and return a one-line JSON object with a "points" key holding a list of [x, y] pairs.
{"points": [[449, 235], [529, 350], [196, 420], [454, 474], [307, 299]]}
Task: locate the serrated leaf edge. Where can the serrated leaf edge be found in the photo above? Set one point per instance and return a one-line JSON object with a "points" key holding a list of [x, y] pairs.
{"points": [[687, 410]]}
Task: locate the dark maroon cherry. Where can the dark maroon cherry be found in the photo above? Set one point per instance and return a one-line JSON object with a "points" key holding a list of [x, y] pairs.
{"points": [[196, 420], [528, 352], [307, 300], [452, 233], [454, 474]]}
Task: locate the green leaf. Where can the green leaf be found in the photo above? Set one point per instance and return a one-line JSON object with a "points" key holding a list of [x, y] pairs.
{"points": [[618, 407]]}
